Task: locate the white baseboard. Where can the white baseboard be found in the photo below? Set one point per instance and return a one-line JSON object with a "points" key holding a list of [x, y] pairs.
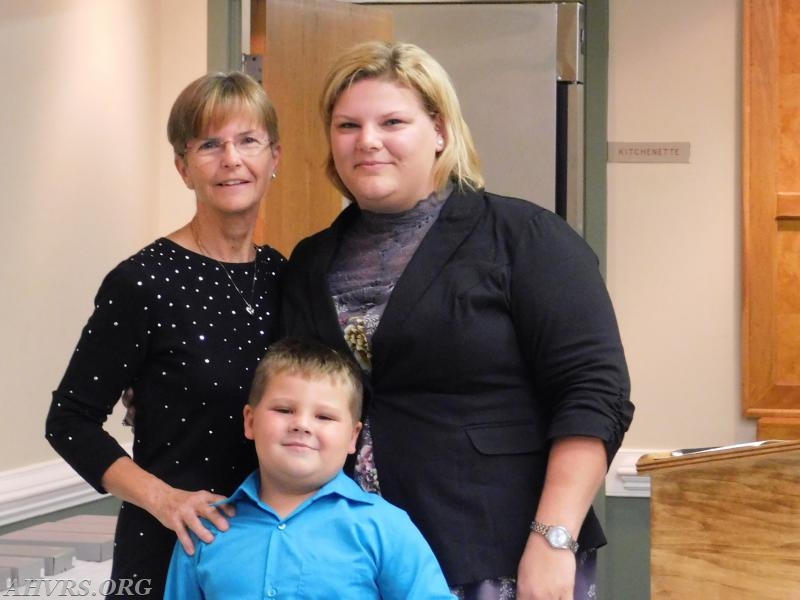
{"points": [[49, 486], [622, 479], [42, 488]]}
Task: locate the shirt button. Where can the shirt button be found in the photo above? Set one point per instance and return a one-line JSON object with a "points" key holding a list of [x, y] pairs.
{"points": [[272, 592], [282, 526]]}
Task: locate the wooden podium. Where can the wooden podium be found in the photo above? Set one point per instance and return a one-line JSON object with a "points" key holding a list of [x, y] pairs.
{"points": [[725, 523]]}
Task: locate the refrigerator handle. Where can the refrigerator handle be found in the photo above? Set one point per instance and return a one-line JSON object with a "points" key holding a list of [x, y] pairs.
{"points": [[570, 42]]}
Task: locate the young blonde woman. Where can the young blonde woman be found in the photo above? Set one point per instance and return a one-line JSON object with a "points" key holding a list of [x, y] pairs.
{"points": [[498, 391]]}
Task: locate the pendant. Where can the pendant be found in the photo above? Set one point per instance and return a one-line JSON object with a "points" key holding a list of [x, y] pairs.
{"points": [[250, 310]]}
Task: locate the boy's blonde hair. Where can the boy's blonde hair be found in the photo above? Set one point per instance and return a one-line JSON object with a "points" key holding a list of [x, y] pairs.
{"points": [[311, 360]]}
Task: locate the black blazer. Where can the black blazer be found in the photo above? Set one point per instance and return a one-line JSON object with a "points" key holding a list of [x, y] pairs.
{"points": [[498, 338]]}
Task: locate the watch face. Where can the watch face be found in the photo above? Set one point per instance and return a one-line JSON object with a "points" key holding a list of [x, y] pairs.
{"points": [[558, 537]]}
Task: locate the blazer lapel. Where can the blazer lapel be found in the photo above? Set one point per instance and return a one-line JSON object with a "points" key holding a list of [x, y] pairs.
{"points": [[458, 217]]}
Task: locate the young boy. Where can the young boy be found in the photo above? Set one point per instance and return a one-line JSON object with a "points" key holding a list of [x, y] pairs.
{"points": [[302, 528]]}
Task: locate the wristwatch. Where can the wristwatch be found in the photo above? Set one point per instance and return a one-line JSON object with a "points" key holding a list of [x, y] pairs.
{"points": [[556, 535]]}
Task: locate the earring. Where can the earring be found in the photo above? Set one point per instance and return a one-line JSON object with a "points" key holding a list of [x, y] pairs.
{"points": [[274, 175], [440, 142]]}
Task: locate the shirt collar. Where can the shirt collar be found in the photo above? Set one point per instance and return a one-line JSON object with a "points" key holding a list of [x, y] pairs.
{"points": [[344, 486], [340, 485]]}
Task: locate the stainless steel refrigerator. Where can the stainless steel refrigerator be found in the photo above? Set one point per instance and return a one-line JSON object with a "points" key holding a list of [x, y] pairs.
{"points": [[518, 71]]}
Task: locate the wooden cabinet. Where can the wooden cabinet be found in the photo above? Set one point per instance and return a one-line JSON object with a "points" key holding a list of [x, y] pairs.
{"points": [[771, 217]]}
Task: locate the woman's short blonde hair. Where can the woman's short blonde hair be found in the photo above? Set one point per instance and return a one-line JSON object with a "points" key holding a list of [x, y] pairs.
{"points": [[214, 98], [410, 66]]}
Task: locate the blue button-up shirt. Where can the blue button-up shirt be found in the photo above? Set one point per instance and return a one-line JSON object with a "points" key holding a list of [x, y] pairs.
{"points": [[342, 543]]}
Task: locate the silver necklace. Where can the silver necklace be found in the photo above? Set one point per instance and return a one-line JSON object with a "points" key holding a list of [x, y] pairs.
{"points": [[248, 306]]}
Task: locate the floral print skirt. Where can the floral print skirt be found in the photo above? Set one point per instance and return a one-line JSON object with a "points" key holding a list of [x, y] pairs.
{"points": [[503, 588]]}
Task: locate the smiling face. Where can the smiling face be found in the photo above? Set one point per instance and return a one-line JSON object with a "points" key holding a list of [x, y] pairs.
{"points": [[303, 429], [384, 145], [228, 182]]}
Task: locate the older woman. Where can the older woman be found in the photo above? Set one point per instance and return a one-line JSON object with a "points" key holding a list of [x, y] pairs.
{"points": [[182, 325], [499, 389]]}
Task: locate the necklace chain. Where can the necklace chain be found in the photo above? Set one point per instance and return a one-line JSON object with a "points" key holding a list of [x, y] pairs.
{"points": [[248, 305]]}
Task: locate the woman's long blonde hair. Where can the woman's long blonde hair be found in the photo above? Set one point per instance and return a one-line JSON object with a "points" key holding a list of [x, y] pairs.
{"points": [[414, 68]]}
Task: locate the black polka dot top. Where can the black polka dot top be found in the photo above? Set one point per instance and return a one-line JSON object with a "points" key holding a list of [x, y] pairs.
{"points": [[170, 325]]}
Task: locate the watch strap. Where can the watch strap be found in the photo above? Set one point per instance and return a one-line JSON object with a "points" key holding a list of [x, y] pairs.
{"points": [[545, 531]]}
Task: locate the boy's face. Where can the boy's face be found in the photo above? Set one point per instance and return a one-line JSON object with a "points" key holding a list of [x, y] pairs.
{"points": [[303, 431]]}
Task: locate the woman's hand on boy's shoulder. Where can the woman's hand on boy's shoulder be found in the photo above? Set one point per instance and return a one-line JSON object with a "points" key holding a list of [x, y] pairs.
{"points": [[183, 511]]}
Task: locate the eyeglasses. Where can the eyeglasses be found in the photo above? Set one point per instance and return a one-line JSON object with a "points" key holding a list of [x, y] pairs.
{"points": [[246, 144]]}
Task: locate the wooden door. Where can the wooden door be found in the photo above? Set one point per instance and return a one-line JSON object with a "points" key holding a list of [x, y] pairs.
{"points": [[771, 217], [297, 39]]}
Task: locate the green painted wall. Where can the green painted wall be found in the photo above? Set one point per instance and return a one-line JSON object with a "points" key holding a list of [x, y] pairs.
{"points": [[224, 35], [595, 115], [625, 561], [624, 564]]}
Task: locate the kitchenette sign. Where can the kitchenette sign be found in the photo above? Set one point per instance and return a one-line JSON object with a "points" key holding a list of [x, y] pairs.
{"points": [[648, 152]]}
